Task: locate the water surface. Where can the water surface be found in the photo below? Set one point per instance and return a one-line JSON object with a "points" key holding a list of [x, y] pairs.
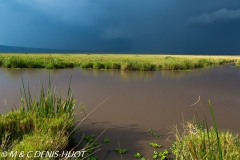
{"points": [[139, 101]]}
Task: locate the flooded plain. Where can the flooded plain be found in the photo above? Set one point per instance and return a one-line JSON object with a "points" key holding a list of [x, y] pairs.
{"points": [[139, 101]]}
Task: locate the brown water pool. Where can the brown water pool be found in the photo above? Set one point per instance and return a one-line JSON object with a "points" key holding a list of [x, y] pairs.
{"points": [[139, 101]]}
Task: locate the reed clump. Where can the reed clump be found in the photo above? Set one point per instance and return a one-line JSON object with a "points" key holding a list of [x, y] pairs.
{"points": [[42, 124], [198, 141], [201, 143]]}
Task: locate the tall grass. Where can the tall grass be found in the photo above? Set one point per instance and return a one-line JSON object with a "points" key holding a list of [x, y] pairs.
{"points": [[49, 103], [198, 141], [47, 121]]}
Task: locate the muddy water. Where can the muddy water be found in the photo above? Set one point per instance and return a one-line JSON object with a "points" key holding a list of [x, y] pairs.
{"points": [[139, 101]]}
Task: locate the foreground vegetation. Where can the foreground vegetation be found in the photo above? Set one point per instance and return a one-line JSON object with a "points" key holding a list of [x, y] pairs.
{"points": [[198, 141], [44, 124], [113, 61]]}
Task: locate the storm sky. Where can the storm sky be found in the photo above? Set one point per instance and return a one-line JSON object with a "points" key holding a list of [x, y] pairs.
{"points": [[143, 26]]}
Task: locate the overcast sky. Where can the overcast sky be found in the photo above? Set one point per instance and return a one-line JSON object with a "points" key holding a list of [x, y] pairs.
{"points": [[159, 26]]}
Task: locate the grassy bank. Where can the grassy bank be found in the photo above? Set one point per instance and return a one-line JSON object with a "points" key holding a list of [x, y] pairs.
{"points": [[199, 141], [42, 124], [113, 61]]}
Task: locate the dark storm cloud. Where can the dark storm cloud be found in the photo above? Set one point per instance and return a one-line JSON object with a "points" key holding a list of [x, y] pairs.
{"points": [[222, 15], [122, 26]]}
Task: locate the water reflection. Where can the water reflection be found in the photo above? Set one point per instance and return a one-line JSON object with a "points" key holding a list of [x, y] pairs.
{"points": [[183, 74], [146, 75], [14, 74], [123, 75], [168, 74]]}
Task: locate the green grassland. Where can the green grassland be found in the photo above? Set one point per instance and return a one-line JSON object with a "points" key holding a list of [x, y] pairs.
{"points": [[114, 61]]}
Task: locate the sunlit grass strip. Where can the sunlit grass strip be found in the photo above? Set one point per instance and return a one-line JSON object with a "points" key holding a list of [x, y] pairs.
{"points": [[199, 142], [113, 61]]}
